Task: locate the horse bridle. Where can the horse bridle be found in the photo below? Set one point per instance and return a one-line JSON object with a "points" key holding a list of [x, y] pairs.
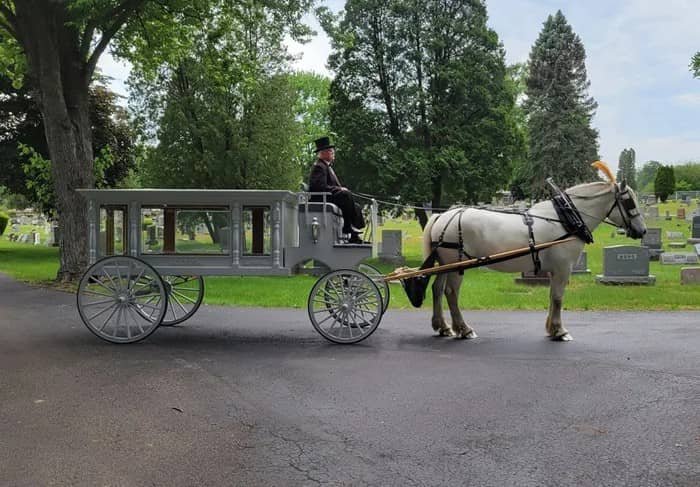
{"points": [[625, 205]]}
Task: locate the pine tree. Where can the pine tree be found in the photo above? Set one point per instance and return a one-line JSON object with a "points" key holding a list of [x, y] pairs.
{"points": [[626, 167], [665, 182], [562, 142]]}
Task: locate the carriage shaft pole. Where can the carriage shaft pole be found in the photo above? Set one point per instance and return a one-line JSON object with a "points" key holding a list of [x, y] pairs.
{"points": [[399, 274]]}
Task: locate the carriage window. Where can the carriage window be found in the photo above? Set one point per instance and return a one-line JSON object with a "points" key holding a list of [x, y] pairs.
{"points": [[202, 231], [256, 230], [112, 230], [152, 226]]}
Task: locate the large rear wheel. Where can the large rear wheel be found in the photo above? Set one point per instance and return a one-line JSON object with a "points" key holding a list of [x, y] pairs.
{"points": [[122, 299]]}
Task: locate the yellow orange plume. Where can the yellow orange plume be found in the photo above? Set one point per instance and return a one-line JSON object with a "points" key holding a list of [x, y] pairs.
{"points": [[602, 167]]}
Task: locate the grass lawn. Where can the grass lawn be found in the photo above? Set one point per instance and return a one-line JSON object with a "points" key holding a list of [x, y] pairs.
{"points": [[482, 288]]}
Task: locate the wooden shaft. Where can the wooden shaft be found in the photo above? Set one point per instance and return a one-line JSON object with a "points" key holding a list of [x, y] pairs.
{"points": [[398, 275]]}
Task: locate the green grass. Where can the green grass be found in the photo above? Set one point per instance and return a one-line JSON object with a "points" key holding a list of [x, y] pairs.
{"points": [[482, 288]]}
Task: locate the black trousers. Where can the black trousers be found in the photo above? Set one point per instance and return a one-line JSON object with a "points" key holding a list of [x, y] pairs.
{"points": [[352, 212]]}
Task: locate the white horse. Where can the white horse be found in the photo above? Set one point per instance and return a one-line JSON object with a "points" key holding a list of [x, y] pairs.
{"points": [[488, 232]]}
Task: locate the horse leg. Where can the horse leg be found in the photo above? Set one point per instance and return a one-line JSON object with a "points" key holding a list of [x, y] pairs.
{"points": [[438, 321], [555, 328], [462, 329]]}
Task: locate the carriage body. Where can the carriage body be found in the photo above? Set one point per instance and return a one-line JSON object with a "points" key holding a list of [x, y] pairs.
{"points": [[149, 248]]}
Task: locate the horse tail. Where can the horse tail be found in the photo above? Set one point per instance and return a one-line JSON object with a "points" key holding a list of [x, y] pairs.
{"points": [[427, 239]]}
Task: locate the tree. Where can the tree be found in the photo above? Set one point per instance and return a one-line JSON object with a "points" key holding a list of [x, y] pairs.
{"points": [[312, 110], [626, 167], [421, 102], [695, 65], [56, 45], [562, 143], [664, 182], [646, 175], [21, 126]]}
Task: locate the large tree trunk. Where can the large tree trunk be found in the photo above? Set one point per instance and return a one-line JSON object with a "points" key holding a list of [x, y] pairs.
{"points": [[58, 75]]}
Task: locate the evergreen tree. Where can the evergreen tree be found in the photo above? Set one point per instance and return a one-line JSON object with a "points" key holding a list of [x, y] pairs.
{"points": [[665, 182], [646, 175], [422, 102], [562, 143], [626, 167]]}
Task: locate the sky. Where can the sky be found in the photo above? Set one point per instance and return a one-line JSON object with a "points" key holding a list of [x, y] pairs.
{"points": [[638, 52]]}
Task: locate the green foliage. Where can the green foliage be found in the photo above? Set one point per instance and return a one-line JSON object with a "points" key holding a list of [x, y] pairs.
{"points": [[422, 102], [4, 218], [687, 176], [626, 167], [223, 111], [646, 175], [562, 142], [664, 182], [695, 65]]}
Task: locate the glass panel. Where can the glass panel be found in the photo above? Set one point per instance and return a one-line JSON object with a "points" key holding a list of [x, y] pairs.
{"points": [[256, 230], [112, 231], [152, 221], [202, 231]]}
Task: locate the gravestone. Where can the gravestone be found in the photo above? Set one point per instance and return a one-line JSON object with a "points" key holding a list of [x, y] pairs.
{"points": [[675, 235], [152, 235], [531, 278], [24, 238], [36, 239], [652, 241], [670, 258], [697, 248], [391, 250], [695, 231], [676, 245], [625, 264], [680, 213], [668, 215], [690, 275], [56, 235], [653, 212], [581, 264]]}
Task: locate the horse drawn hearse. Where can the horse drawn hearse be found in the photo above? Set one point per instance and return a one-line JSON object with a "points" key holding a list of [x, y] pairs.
{"points": [[149, 251]]}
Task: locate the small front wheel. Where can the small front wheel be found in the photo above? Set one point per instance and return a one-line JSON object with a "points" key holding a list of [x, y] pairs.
{"points": [[345, 306], [122, 299], [185, 295]]}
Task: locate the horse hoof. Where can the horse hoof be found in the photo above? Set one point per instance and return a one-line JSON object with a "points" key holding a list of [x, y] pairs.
{"points": [[471, 335], [563, 338], [445, 332]]}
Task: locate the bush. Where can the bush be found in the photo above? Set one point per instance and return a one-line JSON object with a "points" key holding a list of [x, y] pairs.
{"points": [[4, 218]]}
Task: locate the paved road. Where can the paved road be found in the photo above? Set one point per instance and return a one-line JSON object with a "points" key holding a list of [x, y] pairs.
{"points": [[254, 397]]}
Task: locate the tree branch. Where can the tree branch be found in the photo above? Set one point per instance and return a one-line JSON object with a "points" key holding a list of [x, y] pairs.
{"points": [[122, 12]]}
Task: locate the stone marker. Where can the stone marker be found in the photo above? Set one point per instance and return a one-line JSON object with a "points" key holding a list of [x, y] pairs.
{"points": [[680, 213], [690, 275], [695, 231], [668, 215], [391, 248], [581, 264], [625, 264], [653, 212], [679, 258], [697, 248], [676, 245], [652, 241], [675, 235]]}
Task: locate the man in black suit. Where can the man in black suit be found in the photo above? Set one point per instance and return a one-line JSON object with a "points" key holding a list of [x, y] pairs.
{"points": [[324, 180]]}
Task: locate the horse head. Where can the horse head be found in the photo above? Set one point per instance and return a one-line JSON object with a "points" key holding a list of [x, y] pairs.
{"points": [[624, 212]]}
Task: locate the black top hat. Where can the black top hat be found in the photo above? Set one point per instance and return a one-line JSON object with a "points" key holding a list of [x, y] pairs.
{"points": [[323, 143]]}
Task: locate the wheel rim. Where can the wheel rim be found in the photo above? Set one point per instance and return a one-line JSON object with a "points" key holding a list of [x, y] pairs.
{"points": [[121, 299], [185, 295], [378, 279], [345, 306]]}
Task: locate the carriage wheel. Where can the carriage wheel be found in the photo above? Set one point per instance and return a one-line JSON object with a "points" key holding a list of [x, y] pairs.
{"points": [[122, 299], [185, 294], [378, 278], [345, 306]]}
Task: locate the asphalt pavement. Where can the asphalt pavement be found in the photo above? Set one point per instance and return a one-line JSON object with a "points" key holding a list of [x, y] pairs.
{"points": [[254, 397]]}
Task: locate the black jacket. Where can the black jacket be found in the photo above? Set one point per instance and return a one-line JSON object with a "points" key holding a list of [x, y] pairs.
{"points": [[323, 179]]}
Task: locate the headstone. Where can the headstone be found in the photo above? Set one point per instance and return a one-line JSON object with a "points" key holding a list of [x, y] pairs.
{"points": [[391, 249], [680, 213], [581, 264], [695, 231], [652, 241], [675, 235], [152, 235], [668, 215], [697, 248], [625, 264], [690, 275], [653, 212], [670, 258], [24, 238], [676, 245], [534, 279], [36, 239]]}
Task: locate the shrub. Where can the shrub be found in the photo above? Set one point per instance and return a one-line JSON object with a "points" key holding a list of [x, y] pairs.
{"points": [[4, 218]]}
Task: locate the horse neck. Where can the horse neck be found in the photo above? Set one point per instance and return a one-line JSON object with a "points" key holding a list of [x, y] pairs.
{"points": [[593, 208]]}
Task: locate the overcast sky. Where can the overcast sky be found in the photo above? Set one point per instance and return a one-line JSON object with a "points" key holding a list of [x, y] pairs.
{"points": [[638, 52]]}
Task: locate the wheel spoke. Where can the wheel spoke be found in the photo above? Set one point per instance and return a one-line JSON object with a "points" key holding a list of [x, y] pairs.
{"points": [[101, 312], [183, 296], [95, 303], [109, 317]]}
